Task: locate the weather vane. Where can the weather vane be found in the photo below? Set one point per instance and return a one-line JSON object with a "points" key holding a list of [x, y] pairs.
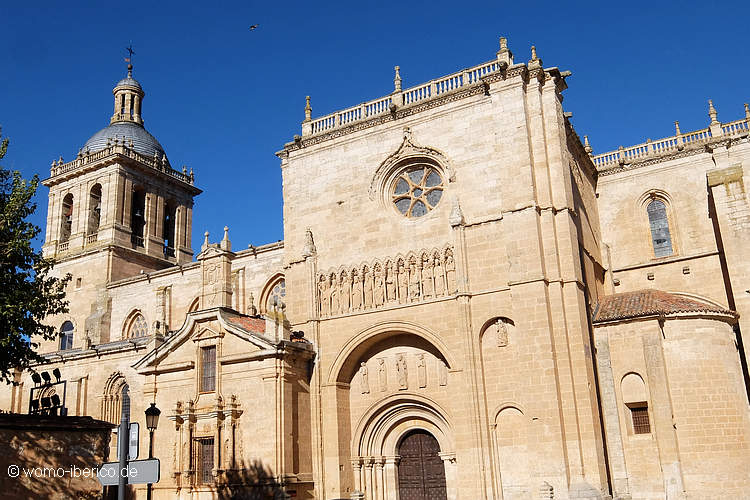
{"points": [[130, 50]]}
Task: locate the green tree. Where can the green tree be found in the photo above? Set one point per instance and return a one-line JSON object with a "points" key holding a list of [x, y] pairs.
{"points": [[28, 293]]}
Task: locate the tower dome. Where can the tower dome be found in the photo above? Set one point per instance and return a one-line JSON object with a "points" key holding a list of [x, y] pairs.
{"points": [[126, 124]]}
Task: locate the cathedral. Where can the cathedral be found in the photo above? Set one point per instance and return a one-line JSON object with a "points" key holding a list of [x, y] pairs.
{"points": [[468, 304]]}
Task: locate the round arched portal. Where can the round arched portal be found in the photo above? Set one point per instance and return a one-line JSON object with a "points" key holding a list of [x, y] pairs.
{"points": [[404, 449]]}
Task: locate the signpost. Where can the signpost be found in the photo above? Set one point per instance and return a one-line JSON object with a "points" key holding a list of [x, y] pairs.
{"points": [[135, 472], [128, 470], [133, 441]]}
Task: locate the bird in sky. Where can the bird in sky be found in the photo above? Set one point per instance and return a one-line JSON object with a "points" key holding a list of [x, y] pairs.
{"points": [[254, 26]]}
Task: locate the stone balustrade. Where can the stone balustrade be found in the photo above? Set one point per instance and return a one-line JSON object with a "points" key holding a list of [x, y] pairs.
{"points": [[160, 164], [673, 144], [410, 96]]}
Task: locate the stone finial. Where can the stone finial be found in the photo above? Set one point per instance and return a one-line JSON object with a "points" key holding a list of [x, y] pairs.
{"points": [[586, 146], [535, 62], [677, 128], [60, 160], [309, 249], [712, 112], [205, 241], [308, 109], [504, 55], [747, 112], [678, 133], [225, 243], [251, 309], [397, 79], [184, 170], [192, 176], [456, 217]]}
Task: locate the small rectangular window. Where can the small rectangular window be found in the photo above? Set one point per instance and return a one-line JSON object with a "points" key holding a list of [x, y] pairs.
{"points": [[208, 369], [204, 459], [641, 424]]}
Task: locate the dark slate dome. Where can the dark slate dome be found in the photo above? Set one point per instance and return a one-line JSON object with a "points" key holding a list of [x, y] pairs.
{"points": [[143, 142], [129, 81]]}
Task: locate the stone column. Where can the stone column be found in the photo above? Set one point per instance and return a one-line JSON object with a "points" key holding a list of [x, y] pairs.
{"points": [[379, 480], [357, 471], [449, 462], [390, 486], [369, 483]]}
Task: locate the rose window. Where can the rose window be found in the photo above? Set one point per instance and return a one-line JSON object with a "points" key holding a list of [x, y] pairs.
{"points": [[417, 190]]}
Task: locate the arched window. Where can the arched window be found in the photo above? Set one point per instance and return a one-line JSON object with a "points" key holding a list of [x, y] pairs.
{"points": [[194, 305], [66, 336], [137, 327], [170, 219], [636, 400], [273, 293], [115, 392], [66, 222], [661, 237], [95, 209], [138, 217]]}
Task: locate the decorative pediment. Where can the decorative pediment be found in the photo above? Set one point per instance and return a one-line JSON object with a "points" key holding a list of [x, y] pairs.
{"points": [[222, 321], [409, 150], [206, 334]]}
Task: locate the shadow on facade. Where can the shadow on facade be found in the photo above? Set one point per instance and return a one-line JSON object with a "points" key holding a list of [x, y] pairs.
{"points": [[250, 481]]}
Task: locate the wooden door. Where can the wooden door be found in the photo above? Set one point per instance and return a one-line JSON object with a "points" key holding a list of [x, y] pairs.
{"points": [[421, 474]]}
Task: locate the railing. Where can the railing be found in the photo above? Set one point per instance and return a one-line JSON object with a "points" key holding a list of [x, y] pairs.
{"points": [[137, 241], [63, 247], [91, 238], [168, 252], [160, 164], [410, 96], [669, 144]]}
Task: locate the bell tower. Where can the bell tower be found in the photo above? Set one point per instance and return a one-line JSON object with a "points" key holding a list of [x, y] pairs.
{"points": [[119, 201]]}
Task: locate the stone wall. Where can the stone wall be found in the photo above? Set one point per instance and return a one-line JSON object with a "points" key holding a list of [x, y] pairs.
{"points": [[52, 457]]}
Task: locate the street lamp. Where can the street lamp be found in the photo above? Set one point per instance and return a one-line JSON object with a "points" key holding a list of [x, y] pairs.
{"points": [[152, 420]]}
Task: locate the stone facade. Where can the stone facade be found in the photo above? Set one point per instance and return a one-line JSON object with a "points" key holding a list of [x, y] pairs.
{"points": [[468, 304]]}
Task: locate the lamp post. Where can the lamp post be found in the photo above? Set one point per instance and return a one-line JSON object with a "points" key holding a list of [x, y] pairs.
{"points": [[152, 420]]}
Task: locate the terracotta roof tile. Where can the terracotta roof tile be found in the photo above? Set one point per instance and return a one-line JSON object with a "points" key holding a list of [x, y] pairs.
{"points": [[249, 323], [641, 303]]}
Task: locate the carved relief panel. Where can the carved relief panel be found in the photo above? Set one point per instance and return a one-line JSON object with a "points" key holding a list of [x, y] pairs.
{"points": [[406, 279]]}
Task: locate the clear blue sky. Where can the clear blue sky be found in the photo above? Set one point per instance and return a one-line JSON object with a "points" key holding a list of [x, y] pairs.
{"points": [[223, 99]]}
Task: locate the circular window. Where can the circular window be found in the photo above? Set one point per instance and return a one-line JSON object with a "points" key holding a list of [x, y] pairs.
{"points": [[417, 190]]}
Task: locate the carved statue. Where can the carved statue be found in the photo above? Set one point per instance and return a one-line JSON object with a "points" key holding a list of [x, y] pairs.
{"points": [[401, 373], [356, 293], [421, 371], [363, 378], [367, 289], [427, 284], [334, 295], [415, 280], [390, 283], [379, 291], [325, 296], [450, 274], [346, 290], [442, 373], [501, 333], [227, 449], [439, 277], [382, 375], [403, 284]]}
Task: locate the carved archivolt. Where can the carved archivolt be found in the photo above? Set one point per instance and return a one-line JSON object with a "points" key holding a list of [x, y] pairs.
{"points": [[415, 277]]}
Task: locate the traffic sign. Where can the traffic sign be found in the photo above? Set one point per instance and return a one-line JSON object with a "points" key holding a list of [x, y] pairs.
{"points": [[136, 472], [133, 441]]}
